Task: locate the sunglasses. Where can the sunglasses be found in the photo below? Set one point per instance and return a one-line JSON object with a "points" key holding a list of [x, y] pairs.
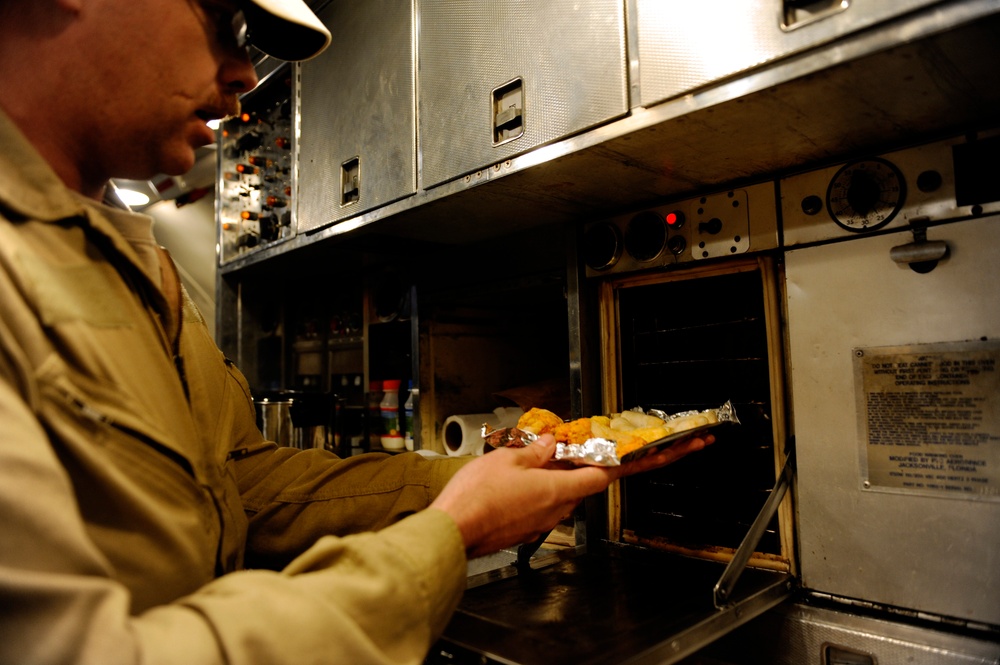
{"points": [[231, 26]]}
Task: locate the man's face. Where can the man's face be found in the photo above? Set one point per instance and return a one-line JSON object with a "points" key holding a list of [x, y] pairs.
{"points": [[168, 67]]}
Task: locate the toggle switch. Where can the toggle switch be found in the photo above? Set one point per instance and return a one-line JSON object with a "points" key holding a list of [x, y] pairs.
{"points": [[712, 226]]}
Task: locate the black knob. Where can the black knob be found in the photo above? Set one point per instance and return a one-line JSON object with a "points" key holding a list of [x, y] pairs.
{"points": [[811, 205], [677, 245], [712, 226]]}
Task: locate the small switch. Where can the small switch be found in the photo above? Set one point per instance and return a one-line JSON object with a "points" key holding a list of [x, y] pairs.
{"points": [[712, 226]]}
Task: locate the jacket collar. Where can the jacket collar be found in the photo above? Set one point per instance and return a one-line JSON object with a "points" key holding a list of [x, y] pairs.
{"points": [[30, 189], [28, 185]]}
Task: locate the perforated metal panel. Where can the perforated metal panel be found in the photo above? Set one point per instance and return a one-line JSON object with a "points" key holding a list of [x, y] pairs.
{"points": [[357, 117], [684, 45], [568, 54]]}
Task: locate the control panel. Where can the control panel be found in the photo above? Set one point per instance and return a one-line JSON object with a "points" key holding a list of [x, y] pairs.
{"points": [[950, 179], [714, 226], [255, 171]]}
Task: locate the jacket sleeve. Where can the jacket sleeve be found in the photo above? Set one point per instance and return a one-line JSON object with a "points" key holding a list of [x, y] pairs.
{"points": [[292, 497], [366, 598]]}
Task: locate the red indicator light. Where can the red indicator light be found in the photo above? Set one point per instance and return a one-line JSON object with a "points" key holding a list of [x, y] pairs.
{"points": [[675, 219], [245, 117], [246, 214], [246, 168]]}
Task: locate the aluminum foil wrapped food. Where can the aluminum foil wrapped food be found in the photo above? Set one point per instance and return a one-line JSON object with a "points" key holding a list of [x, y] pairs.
{"points": [[610, 440]]}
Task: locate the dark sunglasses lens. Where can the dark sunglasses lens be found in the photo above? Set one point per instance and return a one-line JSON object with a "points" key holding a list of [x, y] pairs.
{"points": [[240, 30]]}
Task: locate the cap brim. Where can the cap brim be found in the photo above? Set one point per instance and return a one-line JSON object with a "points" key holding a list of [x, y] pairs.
{"points": [[286, 29]]}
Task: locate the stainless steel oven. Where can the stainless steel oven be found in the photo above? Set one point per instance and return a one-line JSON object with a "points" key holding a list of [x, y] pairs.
{"points": [[847, 313]]}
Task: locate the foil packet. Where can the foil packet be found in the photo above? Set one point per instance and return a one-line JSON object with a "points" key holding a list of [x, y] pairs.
{"points": [[507, 437], [599, 451]]}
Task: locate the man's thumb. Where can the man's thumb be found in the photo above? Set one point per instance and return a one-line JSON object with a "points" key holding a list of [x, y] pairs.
{"points": [[542, 449]]}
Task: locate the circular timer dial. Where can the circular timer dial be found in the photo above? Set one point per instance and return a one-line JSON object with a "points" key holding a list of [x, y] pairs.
{"points": [[865, 195]]}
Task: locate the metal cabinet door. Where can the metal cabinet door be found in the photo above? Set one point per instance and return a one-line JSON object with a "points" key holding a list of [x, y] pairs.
{"points": [[357, 140], [497, 78], [685, 45]]}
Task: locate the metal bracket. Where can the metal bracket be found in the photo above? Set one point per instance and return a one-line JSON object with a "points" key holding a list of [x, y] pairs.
{"points": [[724, 587], [921, 255]]}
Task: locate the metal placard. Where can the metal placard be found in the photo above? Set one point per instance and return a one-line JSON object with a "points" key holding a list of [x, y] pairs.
{"points": [[929, 419]]}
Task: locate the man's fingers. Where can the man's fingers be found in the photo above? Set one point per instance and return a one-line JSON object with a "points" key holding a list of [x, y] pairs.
{"points": [[540, 452]]}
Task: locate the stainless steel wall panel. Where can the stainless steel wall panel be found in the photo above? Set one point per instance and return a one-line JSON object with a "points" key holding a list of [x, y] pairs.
{"points": [[686, 45], [800, 634], [569, 56], [920, 548], [357, 109]]}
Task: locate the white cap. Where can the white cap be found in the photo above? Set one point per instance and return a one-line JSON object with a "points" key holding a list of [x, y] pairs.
{"points": [[285, 29]]}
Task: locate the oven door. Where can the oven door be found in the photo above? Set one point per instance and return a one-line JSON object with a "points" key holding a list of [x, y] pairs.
{"points": [[896, 395]]}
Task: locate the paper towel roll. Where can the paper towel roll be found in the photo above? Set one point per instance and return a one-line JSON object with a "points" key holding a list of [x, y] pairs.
{"points": [[463, 434]]}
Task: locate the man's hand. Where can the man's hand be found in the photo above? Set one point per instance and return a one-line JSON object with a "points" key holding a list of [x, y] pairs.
{"points": [[509, 497]]}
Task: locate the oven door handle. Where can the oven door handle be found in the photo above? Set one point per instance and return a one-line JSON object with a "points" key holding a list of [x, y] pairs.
{"points": [[724, 587]]}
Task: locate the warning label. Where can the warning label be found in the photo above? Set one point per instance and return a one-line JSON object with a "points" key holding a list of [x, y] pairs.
{"points": [[930, 418]]}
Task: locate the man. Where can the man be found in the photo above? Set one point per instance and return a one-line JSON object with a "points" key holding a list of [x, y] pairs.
{"points": [[134, 486]]}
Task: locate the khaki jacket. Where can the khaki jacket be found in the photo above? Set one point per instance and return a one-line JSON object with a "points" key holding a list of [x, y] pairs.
{"points": [[134, 483]]}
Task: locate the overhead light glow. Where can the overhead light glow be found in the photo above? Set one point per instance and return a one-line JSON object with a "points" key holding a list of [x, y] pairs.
{"points": [[132, 198]]}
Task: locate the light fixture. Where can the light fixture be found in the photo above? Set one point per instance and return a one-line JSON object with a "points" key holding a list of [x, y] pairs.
{"points": [[132, 198]]}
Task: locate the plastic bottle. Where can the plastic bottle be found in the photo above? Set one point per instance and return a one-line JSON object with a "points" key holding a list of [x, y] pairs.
{"points": [[408, 418], [392, 427]]}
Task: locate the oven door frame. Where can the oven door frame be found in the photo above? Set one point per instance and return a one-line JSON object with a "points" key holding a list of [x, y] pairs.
{"points": [[769, 269]]}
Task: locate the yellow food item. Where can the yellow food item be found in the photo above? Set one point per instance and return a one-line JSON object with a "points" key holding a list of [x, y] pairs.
{"points": [[626, 443], [641, 419], [621, 424], [538, 421], [650, 434], [688, 422], [575, 431]]}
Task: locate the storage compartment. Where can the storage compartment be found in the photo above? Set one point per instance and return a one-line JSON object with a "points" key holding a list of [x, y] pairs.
{"points": [[357, 147], [683, 46], [500, 78]]}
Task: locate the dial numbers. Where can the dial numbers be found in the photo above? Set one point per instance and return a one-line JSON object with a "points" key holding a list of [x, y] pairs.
{"points": [[866, 195]]}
